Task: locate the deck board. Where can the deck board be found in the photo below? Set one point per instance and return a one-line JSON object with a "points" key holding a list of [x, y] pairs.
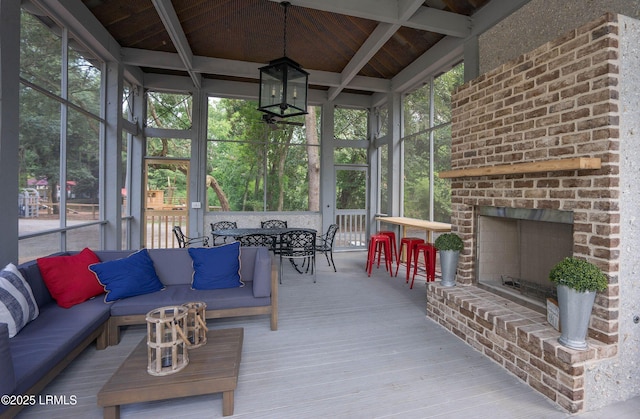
{"points": [[349, 346]]}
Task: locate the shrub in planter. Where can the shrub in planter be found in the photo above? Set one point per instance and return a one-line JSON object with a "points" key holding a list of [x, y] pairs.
{"points": [[579, 275], [449, 241], [577, 281], [449, 245]]}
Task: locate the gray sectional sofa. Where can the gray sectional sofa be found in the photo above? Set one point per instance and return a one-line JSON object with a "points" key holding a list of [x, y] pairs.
{"points": [[46, 345]]}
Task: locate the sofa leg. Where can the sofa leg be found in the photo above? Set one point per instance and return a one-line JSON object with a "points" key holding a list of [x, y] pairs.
{"points": [[274, 321], [113, 333], [102, 341]]}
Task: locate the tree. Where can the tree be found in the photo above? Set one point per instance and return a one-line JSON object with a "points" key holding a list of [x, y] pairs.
{"points": [[311, 133], [41, 118], [261, 166]]}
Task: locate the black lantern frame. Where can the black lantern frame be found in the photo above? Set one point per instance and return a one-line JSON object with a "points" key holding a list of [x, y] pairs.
{"points": [[283, 83], [283, 88]]}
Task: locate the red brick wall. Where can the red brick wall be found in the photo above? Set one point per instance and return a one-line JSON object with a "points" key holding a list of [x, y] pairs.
{"points": [[558, 101]]}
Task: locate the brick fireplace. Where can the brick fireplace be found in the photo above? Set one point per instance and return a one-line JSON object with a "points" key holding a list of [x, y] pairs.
{"points": [[553, 106]]}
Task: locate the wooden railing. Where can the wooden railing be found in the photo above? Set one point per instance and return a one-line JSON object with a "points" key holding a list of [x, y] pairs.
{"points": [[352, 229], [159, 225], [351, 234]]}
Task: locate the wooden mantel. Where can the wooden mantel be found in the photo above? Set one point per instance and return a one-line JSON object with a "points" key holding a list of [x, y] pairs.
{"points": [[578, 163]]}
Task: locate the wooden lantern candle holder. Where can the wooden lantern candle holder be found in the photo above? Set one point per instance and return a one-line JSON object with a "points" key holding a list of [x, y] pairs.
{"points": [[166, 340], [196, 324]]}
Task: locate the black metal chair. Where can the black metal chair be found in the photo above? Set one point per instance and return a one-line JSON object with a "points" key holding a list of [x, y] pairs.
{"points": [[273, 224], [261, 240], [298, 244], [221, 225], [184, 241], [324, 244]]}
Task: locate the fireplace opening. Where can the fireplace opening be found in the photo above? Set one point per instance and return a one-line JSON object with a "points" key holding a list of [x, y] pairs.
{"points": [[516, 248]]}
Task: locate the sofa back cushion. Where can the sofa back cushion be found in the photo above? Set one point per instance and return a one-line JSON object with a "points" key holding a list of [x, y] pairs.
{"points": [[261, 272], [32, 275], [173, 266]]}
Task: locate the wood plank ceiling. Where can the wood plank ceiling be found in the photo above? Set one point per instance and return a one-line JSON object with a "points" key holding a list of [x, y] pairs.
{"points": [[368, 39]]}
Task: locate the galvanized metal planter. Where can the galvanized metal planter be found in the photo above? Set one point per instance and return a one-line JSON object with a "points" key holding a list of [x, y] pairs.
{"points": [[575, 311], [449, 267]]}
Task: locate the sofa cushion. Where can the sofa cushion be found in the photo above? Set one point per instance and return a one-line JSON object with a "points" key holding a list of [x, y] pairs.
{"points": [[17, 305], [7, 376], [262, 273], [69, 279], [51, 337], [127, 277], [216, 267], [173, 266], [32, 274], [174, 295]]}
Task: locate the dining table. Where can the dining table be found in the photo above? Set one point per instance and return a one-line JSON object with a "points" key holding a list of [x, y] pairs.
{"points": [[273, 232], [430, 227], [246, 231]]}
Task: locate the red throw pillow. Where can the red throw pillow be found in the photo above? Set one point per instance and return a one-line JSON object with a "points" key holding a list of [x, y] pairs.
{"points": [[69, 279]]}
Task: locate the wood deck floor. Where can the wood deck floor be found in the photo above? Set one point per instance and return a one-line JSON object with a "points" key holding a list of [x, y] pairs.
{"points": [[348, 346]]}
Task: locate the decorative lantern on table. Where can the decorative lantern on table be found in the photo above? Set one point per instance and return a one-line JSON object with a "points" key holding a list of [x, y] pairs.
{"points": [[167, 340], [196, 324]]}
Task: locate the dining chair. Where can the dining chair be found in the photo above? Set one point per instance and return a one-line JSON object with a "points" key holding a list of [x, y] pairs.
{"points": [[298, 244], [184, 241], [275, 246], [324, 244], [273, 224], [261, 240], [221, 225]]}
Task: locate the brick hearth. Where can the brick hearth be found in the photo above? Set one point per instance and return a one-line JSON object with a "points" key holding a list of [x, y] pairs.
{"points": [[558, 101]]}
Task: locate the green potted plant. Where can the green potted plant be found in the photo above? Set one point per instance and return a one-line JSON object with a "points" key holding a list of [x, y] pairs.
{"points": [[577, 282], [449, 245]]}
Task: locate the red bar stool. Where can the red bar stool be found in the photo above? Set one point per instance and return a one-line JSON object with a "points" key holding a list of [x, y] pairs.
{"points": [[377, 244], [409, 244], [429, 252], [394, 246]]}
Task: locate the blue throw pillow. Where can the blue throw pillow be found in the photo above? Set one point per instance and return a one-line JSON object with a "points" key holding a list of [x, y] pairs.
{"points": [[127, 277], [216, 267]]}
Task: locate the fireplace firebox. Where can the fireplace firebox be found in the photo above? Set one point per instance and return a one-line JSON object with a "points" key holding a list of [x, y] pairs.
{"points": [[516, 249]]}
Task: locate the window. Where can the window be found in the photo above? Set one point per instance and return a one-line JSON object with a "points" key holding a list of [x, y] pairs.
{"points": [[427, 147], [350, 124], [169, 110], [258, 165], [59, 139]]}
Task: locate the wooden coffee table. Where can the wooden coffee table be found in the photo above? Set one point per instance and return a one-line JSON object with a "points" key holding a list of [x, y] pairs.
{"points": [[213, 368]]}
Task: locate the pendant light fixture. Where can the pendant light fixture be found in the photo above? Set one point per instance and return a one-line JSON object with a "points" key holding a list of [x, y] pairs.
{"points": [[283, 84]]}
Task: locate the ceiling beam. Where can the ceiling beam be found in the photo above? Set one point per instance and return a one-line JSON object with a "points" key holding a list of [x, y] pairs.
{"points": [[242, 69], [381, 34], [378, 38], [172, 25], [80, 21], [443, 53], [439, 21], [391, 11]]}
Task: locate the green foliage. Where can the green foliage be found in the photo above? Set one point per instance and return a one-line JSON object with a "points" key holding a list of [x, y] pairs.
{"points": [[40, 115], [258, 168], [422, 134], [169, 110], [449, 241], [578, 274]]}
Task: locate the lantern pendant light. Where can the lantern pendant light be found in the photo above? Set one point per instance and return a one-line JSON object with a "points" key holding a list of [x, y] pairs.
{"points": [[283, 84]]}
